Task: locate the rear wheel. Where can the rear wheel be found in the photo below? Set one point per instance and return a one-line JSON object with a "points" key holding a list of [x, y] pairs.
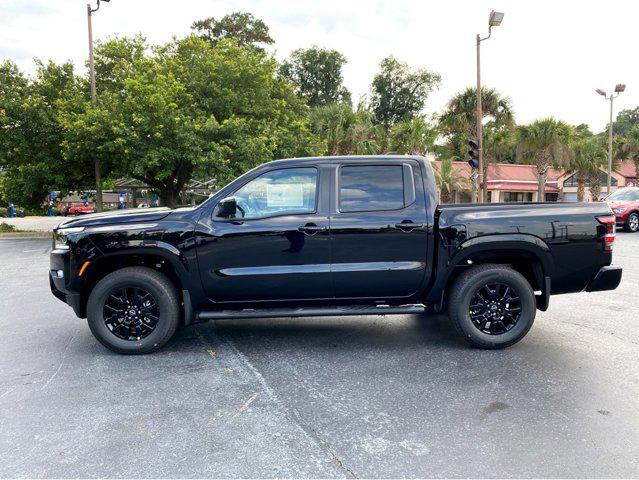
{"points": [[632, 222], [492, 306], [133, 310]]}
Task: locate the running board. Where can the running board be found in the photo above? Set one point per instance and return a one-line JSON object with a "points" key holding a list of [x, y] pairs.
{"points": [[312, 311]]}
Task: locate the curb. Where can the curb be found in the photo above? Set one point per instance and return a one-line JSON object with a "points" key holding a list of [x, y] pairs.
{"points": [[25, 235]]}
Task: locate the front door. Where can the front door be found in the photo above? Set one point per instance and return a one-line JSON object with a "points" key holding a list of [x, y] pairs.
{"points": [[278, 245], [379, 230]]}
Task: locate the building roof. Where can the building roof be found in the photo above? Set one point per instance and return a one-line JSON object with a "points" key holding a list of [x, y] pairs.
{"points": [[627, 169], [509, 176]]}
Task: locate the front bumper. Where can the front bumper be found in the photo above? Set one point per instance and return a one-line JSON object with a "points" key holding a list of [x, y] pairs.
{"points": [[607, 278], [58, 275]]}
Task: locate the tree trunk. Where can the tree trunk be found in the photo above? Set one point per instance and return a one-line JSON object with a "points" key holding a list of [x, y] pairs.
{"points": [[541, 187], [595, 186], [581, 190]]}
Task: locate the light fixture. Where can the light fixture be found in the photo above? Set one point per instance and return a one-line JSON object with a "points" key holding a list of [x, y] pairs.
{"points": [[495, 18], [600, 92]]}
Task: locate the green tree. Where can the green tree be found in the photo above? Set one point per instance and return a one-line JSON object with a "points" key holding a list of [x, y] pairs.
{"points": [[32, 132], [413, 136], [244, 27], [545, 143], [449, 180], [192, 109], [625, 122], [628, 146], [347, 132], [399, 93], [317, 74], [589, 157], [458, 124]]}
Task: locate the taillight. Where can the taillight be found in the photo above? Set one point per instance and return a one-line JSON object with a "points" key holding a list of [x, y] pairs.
{"points": [[609, 234]]}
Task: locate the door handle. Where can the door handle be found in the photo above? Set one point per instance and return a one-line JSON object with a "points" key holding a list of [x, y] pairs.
{"points": [[311, 229], [407, 225]]}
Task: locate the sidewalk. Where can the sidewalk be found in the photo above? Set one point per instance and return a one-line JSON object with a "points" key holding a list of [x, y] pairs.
{"points": [[37, 224]]}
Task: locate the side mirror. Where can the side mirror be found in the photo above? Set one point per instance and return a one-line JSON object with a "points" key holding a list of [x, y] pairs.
{"points": [[227, 208]]}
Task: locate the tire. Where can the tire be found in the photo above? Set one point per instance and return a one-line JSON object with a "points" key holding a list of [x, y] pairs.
{"points": [[506, 332], [133, 280], [632, 222]]}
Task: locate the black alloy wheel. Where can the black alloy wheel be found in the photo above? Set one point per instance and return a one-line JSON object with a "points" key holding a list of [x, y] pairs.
{"points": [[134, 310], [495, 308], [492, 306], [131, 313]]}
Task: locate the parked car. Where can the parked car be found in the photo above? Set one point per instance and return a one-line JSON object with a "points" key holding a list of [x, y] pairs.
{"points": [[625, 206], [329, 236], [77, 209]]}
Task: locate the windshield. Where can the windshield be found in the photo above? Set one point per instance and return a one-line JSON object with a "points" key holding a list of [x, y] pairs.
{"points": [[624, 195]]}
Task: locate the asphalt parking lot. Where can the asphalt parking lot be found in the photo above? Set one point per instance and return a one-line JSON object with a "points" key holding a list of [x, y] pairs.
{"points": [[329, 397]]}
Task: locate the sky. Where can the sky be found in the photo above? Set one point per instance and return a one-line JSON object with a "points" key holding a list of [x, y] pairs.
{"points": [[547, 56]]}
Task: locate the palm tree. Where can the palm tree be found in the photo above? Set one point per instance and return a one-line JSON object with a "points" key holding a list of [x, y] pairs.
{"points": [[415, 136], [333, 123], [449, 180], [347, 132], [629, 147], [590, 156], [459, 121], [544, 143]]}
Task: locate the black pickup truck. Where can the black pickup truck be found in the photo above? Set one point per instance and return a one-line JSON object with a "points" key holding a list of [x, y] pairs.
{"points": [[331, 236]]}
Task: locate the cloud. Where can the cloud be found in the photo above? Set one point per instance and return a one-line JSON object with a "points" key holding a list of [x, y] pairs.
{"points": [[547, 64]]}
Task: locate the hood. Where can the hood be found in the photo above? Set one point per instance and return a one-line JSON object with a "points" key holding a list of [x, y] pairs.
{"points": [[129, 215]]}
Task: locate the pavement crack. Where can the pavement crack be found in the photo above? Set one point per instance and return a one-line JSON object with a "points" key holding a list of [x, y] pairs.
{"points": [[57, 370], [291, 412]]}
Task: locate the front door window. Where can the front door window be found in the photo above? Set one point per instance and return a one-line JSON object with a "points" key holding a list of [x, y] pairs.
{"points": [[279, 192]]}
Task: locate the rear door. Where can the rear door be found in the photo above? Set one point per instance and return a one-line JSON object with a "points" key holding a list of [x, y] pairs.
{"points": [[379, 229]]}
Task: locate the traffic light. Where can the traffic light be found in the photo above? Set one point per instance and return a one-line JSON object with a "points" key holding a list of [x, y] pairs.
{"points": [[473, 153]]}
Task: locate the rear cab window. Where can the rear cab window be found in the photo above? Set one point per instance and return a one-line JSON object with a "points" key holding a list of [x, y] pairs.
{"points": [[375, 187]]}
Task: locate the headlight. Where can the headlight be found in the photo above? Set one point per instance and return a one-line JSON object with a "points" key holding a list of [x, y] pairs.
{"points": [[619, 210], [60, 237]]}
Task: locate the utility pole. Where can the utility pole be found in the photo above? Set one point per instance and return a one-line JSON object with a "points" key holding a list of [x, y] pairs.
{"points": [[493, 21], [96, 162], [620, 87], [479, 127]]}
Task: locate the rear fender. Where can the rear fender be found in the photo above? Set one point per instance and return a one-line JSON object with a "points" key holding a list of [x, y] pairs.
{"points": [[493, 249]]}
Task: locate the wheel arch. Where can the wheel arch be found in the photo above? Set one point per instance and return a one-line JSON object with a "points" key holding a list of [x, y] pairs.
{"points": [[527, 254], [164, 259]]}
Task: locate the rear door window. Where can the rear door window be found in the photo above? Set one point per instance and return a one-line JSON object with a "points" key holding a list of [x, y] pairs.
{"points": [[371, 187]]}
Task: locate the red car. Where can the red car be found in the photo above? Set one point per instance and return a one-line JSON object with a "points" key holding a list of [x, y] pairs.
{"points": [[625, 206], [77, 209]]}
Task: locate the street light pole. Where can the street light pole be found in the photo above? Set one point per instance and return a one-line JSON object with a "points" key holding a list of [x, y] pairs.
{"points": [[493, 21], [96, 162], [620, 87], [609, 179]]}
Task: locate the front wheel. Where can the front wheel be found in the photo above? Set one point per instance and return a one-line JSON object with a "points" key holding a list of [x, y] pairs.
{"points": [[632, 222], [492, 306], [133, 310]]}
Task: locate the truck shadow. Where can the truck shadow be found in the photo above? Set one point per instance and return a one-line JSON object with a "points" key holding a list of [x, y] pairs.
{"points": [[393, 331]]}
